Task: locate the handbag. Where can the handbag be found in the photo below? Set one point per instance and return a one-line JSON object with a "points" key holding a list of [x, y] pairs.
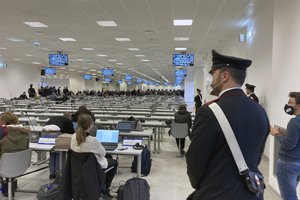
{"points": [[254, 180]]}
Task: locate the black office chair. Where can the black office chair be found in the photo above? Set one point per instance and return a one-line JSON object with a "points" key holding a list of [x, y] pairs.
{"points": [[83, 177]]}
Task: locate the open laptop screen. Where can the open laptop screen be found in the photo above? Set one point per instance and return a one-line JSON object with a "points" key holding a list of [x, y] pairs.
{"points": [[107, 136], [125, 125]]}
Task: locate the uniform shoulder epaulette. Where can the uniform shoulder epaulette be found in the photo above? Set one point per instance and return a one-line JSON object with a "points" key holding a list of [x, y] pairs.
{"points": [[210, 102]]}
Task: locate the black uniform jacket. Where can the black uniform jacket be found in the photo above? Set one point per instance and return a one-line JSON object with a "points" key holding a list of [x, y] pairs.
{"points": [[63, 123], [210, 165]]}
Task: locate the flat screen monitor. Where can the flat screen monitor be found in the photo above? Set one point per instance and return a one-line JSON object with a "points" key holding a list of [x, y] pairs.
{"points": [[184, 60], [120, 81], [180, 72], [128, 77], [50, 71], [139, 80], [87, 77], [58, 59], [128, 82], [126, 125], [107, 72], [107, 80]]}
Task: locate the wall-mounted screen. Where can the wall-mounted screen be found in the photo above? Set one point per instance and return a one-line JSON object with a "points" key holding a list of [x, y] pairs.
{"points": [[87, 77], [180, 72], [139, 80], [120, 81], [107, 80], [58, 59], [184, 60], [50, 71], [128, 82], [128, 77], [107, 72]]}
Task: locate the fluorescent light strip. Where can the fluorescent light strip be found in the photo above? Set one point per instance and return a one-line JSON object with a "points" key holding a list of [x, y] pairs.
{"points": [[112, 60], [133, 49], [182, 22], [145, 60], [36, 63], [15, 39], [101, 55], [67, 39], [123, 39], [180, 49], [88, 49], [140, 55], [106, 23], [181, 38], [36, 24]]}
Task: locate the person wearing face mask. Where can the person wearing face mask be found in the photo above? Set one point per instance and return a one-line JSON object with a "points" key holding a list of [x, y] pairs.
{"points": [[210, 165], [288, 163]]}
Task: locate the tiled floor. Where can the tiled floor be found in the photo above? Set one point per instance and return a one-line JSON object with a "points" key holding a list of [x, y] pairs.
{"points": [[168, 179]]}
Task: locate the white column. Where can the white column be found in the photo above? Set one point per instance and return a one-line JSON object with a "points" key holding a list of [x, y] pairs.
{"points": [[76, 82]]}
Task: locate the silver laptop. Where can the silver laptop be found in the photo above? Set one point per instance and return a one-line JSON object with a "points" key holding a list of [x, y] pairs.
{"points": [[108, 138]]}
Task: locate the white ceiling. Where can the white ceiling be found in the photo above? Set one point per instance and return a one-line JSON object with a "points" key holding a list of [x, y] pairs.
{"points": [[214, 21]]}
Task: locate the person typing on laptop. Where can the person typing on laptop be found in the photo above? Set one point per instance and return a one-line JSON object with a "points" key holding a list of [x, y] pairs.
{"points": [[82, 142]]}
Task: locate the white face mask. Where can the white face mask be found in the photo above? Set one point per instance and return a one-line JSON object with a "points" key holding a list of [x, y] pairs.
{"points": [[208, 83]]}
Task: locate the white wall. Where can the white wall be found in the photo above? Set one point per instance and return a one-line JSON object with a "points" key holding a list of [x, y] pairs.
{"points": [[16, 78], [56, 82], [286, 64], [76, 82]]}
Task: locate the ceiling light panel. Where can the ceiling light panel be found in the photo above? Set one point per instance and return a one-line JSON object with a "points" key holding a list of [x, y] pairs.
{"points": [[15, 39], [180, 49], [101, 55], [106, 23], [181, 38], [67, 39], [36, 24], [140, 55], [182, 22], [123, 39], [88, 49], [133, 49]]}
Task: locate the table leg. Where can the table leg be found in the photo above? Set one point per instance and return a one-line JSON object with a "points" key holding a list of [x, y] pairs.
{"points": [[149, 143], [158, 141], [155, 132], [139, 165]]}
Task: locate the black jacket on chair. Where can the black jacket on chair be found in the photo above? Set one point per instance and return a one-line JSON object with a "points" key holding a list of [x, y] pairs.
{"points": [[83, 177]]}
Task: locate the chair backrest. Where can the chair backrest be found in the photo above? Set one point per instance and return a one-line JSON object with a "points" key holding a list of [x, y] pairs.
{"points": [[33, 122], [179, 130], [80, 173], [15, 164]]}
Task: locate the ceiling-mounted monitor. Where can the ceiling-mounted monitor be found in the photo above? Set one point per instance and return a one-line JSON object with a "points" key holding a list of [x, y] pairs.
{"points": [[50, 71], [58, 59], [107, 72], [128, 77], [184, 60], [87, 77]]}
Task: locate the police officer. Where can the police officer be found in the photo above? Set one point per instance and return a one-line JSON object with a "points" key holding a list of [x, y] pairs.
{"points": [[250, 92], [210, 165]]}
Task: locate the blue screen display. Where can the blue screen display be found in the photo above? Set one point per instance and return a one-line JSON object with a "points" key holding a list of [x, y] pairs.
{"points": [[128, 82], [50, 71], [107, 80], [184, 60], [128, 77], [180, 72], [58, 59], [139, 80], [87, 77], [107, 136], [120, 81], [107, 72]]}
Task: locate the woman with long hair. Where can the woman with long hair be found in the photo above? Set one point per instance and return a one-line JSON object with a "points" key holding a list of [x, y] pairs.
{"points": [[82, 142]]}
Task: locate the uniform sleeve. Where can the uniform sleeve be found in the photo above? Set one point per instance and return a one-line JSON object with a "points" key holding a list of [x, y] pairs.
{"points": [[289, 141], [203, 138]]}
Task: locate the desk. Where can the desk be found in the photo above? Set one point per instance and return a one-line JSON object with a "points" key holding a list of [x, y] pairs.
{"points": [[128, 151]]}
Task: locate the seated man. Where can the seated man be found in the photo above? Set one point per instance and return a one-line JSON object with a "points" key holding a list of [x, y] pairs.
{"points": [[65, 125]]}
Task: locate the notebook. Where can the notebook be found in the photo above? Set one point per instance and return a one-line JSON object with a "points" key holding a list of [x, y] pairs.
{"points": [[108, 138], [126, 126], [131, 142]]}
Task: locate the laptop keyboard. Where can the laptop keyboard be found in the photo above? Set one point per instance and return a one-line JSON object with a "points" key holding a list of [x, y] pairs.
{"points": [[110, 148]]}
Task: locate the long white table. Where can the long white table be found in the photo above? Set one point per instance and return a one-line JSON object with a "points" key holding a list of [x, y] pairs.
{"points": [[117, 151]]}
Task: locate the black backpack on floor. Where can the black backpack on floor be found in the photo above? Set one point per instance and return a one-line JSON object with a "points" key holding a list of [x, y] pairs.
{"points": [[134, 189], [146, 161]]}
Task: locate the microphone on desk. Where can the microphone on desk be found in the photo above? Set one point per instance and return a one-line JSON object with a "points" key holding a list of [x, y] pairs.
{"points": [[31, 138]]}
